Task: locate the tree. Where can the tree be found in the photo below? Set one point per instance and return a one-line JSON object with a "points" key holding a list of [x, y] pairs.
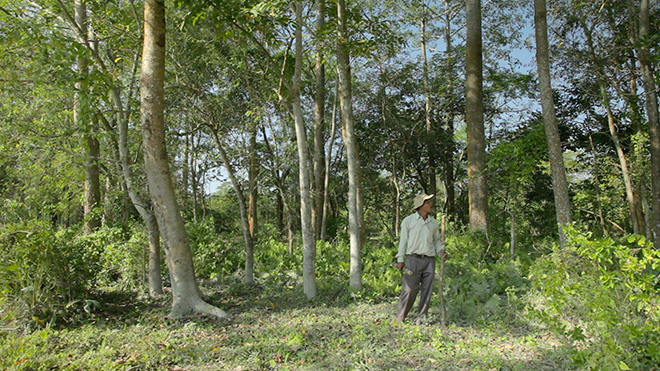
{"points": [[309, 242], [350, 142], [474, 118], [186, 295], [319, 122], [82, 119], [559, 183], [641, 42]]}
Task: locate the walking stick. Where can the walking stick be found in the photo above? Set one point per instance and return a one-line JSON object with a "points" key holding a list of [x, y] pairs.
{"points": [[442, 273]]}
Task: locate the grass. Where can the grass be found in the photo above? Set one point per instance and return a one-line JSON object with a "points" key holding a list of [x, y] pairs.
{"points": [[276, 329]]}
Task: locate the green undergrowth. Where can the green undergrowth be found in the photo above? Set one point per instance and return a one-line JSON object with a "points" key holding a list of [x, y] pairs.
{"points": [[270, 330]]}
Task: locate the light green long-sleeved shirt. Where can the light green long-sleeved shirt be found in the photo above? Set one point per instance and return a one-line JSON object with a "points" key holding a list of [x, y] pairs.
{"points": [[419, 236]]}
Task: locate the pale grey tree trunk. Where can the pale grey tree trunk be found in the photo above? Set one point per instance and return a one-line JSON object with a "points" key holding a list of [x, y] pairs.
{"points": [[352, 155], [326, 176], [82, 121], [309, 242], [474, 117], [432, 188], [558, 171], [185, 292], [650, 91], [319, 123]]}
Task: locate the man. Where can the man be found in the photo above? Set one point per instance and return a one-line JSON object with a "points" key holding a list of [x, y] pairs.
{"points": [[418, 246]]}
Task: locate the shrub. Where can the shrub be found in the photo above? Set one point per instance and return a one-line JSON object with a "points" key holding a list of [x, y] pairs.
{"points": [[215, 254], [42, 270], [478, 290], [601, 295], [123, 256]]}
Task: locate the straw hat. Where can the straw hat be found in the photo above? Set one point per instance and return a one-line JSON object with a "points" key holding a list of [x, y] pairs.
{"points": [[419, 200]]}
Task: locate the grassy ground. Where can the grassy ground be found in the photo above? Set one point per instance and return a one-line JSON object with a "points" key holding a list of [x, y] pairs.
{"points": [[270, 329]]}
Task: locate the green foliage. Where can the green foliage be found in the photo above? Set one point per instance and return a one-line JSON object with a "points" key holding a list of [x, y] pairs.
{"points": [[123, 256], [215, 254], [477, 290], [42, 270], [602, 295]]}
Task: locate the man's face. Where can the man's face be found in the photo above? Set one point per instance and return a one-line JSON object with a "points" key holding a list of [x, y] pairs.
{"points": [[427, 206]]}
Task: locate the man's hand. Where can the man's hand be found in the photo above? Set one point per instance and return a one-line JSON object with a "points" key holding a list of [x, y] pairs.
{"points": [[399, 265]]}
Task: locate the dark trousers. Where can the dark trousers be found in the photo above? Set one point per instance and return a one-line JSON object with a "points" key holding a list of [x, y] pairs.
{"points": [[418, 270]]}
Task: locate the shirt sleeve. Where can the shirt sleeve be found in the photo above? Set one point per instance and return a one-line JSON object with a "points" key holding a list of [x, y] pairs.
{"points": [[403, 242]]}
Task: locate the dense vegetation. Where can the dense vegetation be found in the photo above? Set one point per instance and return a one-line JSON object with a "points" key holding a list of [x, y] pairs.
{"points": [[245, 105]]}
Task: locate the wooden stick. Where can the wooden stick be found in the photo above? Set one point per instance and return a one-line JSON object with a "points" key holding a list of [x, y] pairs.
{"points": [[442, 273]]}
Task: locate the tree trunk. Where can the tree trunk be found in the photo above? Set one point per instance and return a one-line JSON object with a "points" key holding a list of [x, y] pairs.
{"points": [[431, 144], [635, 208], [558, 171], [449, 179], [319, 123], [599, 205], [309, 243], [242, 207], [474, 117], [82, 120], [185, 293], [253, 191], [352, 156], [648, 77], [326, 176]]}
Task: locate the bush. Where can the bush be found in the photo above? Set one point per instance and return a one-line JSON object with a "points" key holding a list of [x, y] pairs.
{"points": [[601, 295], [123, 256], [215, 254], [478, 290], [41, 271]]}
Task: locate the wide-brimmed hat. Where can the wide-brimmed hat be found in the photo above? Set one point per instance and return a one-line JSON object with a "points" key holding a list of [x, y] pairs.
{"points": [[419, 200]]}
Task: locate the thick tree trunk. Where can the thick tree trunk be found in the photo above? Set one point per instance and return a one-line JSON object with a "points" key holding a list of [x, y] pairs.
{"points": [[82, 120], [309, 242], [474, 117], [319, 123], [350, 142], [185, 293], [650, 91], [558, 171]]}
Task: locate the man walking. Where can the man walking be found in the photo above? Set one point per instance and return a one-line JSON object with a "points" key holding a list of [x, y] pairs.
{"points": [[418, 246]]}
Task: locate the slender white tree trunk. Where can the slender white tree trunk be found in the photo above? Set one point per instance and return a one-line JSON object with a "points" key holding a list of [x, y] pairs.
{"points": [[319, 123], [352, 156], [309, 242]]}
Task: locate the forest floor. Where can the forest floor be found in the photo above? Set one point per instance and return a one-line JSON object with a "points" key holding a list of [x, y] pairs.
{"points": [[269, 329]]}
